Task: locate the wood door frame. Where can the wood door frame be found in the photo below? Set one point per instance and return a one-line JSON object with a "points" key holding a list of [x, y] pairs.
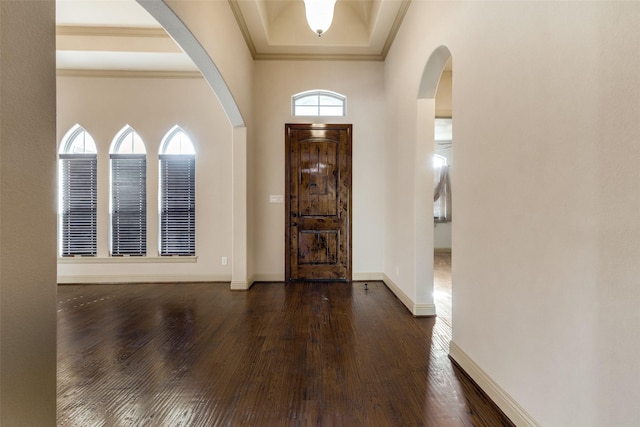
{"points": [[287, 196]]}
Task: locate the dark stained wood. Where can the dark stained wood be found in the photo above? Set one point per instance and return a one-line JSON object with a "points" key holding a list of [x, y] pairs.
{"points": [[318, 202], [332, 354]]}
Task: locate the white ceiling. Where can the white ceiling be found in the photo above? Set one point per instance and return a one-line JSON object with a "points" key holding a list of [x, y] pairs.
{"points": [[119, 35]]}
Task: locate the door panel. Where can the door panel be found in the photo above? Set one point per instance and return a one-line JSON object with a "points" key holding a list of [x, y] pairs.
{"points": [[318, 202]]}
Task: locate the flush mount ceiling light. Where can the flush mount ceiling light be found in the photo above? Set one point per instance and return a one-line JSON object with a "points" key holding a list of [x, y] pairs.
{"points": [[319, 14]]}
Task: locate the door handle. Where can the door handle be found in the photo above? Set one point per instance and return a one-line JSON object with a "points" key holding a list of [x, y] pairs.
{"points": [[293, 224], [294, 215]]}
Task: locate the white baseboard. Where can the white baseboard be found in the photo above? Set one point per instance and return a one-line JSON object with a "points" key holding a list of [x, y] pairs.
{"points": [[424, 310], [143, 278], [415, 309], [279, 277], [367, 276], [501, 398], [268, 277], [240, 285]]}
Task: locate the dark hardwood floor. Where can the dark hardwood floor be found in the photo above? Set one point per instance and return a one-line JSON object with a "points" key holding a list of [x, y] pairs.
{"points": [[321, 354]]}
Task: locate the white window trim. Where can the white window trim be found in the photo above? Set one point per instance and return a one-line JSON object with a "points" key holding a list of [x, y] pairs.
{"points": [[129, 260], [64, 162], [318, 93], [166, 241]]}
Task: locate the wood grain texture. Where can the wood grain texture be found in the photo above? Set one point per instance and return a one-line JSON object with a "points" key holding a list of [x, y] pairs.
{"points": [[301, 354], [318, 202]]}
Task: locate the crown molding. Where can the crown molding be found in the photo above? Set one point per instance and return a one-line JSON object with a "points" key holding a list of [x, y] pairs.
{"points": [[130, 74], [317, 57], [95, 31], [261, 56], [404, 6], [242, 24]]}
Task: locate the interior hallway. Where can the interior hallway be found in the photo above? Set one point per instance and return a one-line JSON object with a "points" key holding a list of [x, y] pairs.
{"points": [[323, 354]]}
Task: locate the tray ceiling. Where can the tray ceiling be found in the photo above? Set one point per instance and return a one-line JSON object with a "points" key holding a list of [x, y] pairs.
{"points": [[119, 35]]}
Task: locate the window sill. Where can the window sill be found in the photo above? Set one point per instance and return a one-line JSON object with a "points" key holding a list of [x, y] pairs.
{"points": [[128, 260]]}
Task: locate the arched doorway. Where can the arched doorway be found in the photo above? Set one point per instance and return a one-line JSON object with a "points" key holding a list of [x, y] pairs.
{"points": [[431, 105], [185, 38], [442, 160]]}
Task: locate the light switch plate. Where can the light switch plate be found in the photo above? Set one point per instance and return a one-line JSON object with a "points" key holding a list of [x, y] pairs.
{"points": [[276, 198]]}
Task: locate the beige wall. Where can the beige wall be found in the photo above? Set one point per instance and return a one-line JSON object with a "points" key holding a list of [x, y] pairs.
{"points": [[152, 106], [27, 214], [545, 289], [212, 23], [444, 101], [207, 31], [274, 84], [545, 295]]}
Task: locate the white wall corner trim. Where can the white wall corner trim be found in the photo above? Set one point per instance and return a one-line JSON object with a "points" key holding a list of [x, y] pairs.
{"points": [[505, 402], [424, 310], [143, 278], [415, 309], [240, 285]]}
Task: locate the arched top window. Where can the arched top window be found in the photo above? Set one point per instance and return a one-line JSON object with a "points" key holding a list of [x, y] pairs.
{"points": [[128, 205], [127, 141], [319, 103], [77, 194], [177, 142], [177, 194], [78, 141]]}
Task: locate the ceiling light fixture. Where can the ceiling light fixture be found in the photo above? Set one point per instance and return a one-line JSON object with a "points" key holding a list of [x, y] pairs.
{"points": [[319, 14]]}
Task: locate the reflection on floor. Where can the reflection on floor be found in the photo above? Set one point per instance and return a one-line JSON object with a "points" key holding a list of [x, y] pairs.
{"points": [[442, 297], [304, 354]]}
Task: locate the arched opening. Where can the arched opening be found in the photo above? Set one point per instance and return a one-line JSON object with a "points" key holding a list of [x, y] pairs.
{"points": [[433, 203], [442, 208], [185, 38]]}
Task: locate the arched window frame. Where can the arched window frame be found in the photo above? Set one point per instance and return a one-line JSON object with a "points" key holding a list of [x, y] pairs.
{"points": [[128, 204], [319, 103], [177, 195], [77, 194]]}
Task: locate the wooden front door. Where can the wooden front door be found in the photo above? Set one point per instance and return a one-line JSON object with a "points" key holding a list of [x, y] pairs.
{"points": [[318, 202]]}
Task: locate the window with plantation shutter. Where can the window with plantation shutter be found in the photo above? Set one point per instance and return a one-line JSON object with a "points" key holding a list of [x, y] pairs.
{"points": [[77, 194], [177, 195], [177, 204], [128, 195]]}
